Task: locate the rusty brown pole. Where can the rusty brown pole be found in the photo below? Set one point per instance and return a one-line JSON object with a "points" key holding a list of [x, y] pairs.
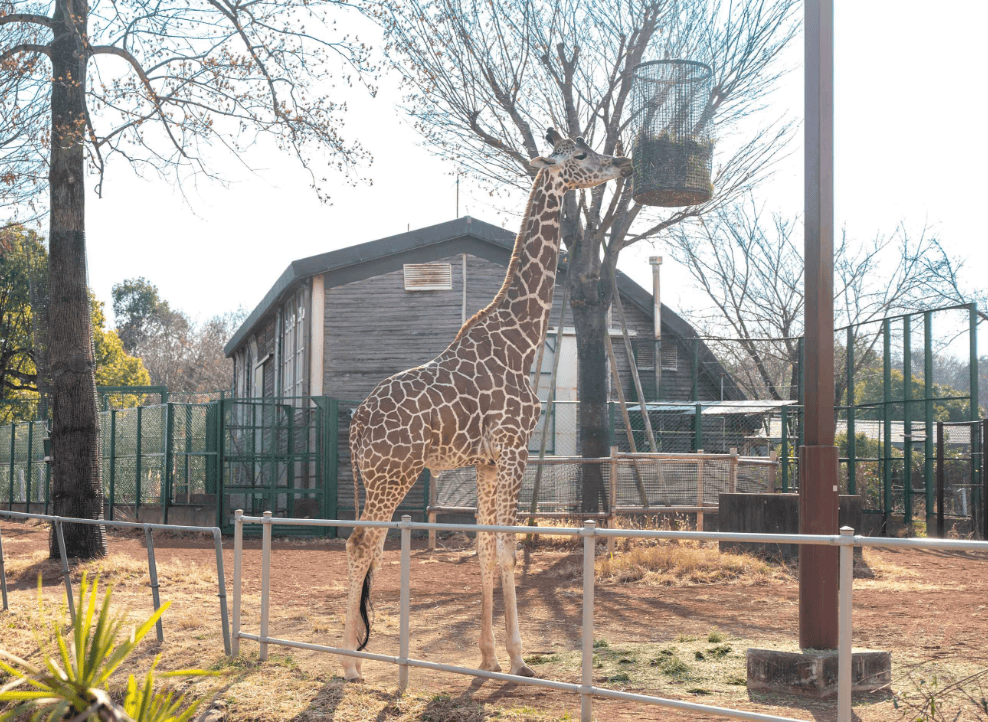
{"points": [[818, 490]]}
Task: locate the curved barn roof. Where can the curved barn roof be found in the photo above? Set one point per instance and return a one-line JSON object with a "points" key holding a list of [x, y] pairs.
{"points": [[463, 235]]}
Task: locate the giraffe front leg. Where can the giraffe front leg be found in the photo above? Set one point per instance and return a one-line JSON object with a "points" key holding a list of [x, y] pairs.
{"points": [[511, 469], [487, 553]]}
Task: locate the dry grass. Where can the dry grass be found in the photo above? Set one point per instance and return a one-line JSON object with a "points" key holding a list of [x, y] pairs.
{"points": [[679, 563]]}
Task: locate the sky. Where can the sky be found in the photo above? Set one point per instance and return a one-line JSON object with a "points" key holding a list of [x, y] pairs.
{"points": [[908, 103]]}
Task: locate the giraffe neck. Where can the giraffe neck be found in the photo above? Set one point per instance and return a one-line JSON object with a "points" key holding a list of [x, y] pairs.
{"points": [[516, 319]]}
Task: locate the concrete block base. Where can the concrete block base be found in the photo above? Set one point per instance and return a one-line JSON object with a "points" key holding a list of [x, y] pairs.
{"points": [[813, 673]]}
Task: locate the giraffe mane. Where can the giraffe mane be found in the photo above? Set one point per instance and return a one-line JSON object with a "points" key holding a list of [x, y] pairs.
{"points": [[512, 265]]}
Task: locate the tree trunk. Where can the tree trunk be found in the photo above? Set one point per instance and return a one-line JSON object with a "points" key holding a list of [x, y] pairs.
{"points": [[76, 488], [590, 319]]}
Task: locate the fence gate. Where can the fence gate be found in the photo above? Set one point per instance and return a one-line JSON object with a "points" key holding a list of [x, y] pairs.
{"points": [[273, 458]]}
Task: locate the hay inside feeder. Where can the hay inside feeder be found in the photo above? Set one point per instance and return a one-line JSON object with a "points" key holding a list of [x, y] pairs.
{"points": [[671, 171]]}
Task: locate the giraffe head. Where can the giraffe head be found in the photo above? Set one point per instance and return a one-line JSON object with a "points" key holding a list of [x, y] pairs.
{"points": [[577, 165]]}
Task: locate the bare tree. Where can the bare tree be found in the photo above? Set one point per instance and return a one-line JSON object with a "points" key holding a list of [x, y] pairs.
{"points": [[483, 80], [153, 84], [188, 356], [749, 264]]}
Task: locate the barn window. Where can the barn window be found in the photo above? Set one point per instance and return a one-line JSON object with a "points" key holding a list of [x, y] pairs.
{"points": [[670, 357], [293, 347], [428, 277]]}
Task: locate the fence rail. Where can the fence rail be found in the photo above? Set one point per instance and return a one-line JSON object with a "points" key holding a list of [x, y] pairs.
{"points": [[846, 541], [60, 521]]}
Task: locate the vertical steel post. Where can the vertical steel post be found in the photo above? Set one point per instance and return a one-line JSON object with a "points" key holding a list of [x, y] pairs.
{"points": [[220, 447], [265, 582], [886, 425], [13, 436], [930, 452], [166, 487], [27, 470], [331, 456], [940, 481], [65, 568], [907, 422], [844, 655], [818, 474], [153, 573], [697, 428], [784, 413], [221, 582], [612, 470], [656, 263], [3, 577], [113, 459], [852, 448], [137, 468], [238, 550], [695, 370], [406, 568], [973, 370], [589, 549]]}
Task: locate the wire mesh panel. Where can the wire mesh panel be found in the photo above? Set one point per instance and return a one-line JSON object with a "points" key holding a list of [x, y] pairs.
{"points": [[193, 453], [272, 458], [677, 481], [671, 147]]}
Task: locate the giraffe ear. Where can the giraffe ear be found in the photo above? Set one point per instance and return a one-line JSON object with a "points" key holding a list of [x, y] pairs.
{"points": [[552, 137], [541, 162]]}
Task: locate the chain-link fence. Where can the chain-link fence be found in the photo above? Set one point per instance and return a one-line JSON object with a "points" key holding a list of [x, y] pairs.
{"points": [[23, 471], [623, 484]]}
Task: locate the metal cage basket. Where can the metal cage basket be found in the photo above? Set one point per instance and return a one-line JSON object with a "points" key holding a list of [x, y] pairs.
{"points": [[670, 130]]}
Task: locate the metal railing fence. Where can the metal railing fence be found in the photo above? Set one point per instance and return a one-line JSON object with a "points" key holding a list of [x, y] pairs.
{"points": [[60, 521], [846, 541]]}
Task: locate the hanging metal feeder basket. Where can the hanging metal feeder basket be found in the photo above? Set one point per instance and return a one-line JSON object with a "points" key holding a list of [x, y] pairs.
{"points": [[670, 129]]}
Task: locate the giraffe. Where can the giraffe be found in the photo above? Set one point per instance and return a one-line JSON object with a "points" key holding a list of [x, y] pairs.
{"points": [[473, 405]]}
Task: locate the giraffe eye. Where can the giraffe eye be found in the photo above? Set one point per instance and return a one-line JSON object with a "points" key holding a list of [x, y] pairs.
{"points": [[581, 156]]}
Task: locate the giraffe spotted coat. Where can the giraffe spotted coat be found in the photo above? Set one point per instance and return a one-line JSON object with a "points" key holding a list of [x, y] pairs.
{"points": [[472, 405]]}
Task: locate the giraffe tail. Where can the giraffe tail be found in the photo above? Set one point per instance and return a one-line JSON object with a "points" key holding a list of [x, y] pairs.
{"points": [[364, 609]]}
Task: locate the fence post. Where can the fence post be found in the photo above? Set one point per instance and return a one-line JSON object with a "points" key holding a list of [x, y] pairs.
{"points": [[13, 436], [930, 453], [113, 459], [65, 568], [886, 425], [265, 581], [697, 428], [784, 420], [852, 449], [907, 422], [166, 486], [27, 470], [221, 581], [773, 470], [238, 550], [220, 446], [844, 606], [940, 480], [699, 491], [406, 567], [331, 462], [612, 517], [3, 577], [732, 478], [433, 502], [589, 549], [137, 467], [153, 573]]}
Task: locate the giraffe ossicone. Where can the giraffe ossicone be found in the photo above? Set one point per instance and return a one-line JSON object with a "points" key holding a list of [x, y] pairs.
{"points": [[472, 405]]}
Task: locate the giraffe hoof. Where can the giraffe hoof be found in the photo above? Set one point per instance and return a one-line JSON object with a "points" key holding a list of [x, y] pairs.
{"points": [[490, 666], [357, 679], [525, 671]]}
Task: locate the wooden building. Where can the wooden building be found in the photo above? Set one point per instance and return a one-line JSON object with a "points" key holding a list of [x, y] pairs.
{"points": [[338, 323]]}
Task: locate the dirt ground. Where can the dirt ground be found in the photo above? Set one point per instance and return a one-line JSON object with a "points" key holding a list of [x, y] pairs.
{"points": [[928, 608]]}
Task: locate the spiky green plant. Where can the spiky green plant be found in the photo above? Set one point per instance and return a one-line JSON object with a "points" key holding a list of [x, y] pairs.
{"points": [[70, 684]]}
